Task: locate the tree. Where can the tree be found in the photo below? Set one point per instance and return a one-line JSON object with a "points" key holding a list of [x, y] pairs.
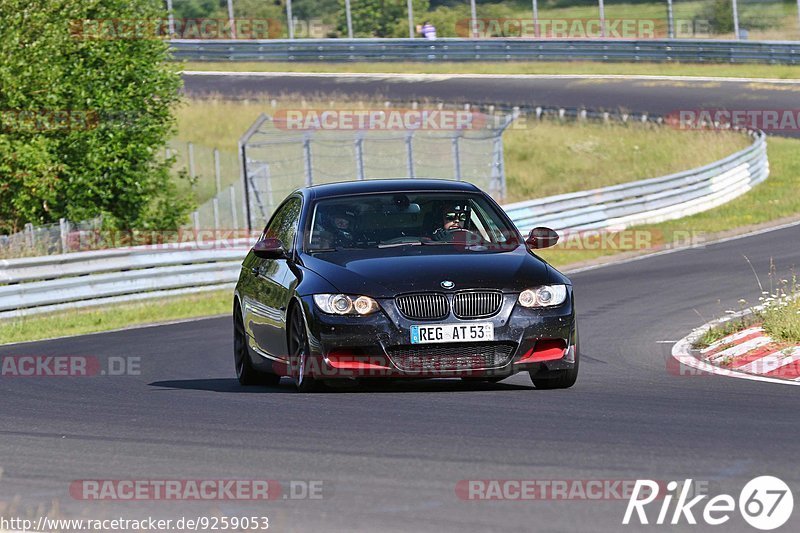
{"points": [[381, 18], [86, 107]]}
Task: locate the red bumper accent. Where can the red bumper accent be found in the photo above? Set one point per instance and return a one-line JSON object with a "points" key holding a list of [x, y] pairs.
{"points": [[544, 350]]}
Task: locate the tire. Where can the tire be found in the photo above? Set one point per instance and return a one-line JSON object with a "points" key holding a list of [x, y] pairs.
{"points": [[299, 351], [245, 373], [556, 379]]}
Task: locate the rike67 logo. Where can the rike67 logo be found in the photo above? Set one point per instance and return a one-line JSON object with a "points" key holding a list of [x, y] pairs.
{"points": [[765, 503]]}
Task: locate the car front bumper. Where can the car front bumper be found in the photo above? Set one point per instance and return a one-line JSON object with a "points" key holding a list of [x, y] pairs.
{"points": [[379, 345]]}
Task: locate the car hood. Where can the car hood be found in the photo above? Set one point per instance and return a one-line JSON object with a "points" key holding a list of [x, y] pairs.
{"points": [[388, 272]]}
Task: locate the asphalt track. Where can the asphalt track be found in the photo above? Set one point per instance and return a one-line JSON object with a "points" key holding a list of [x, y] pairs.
{"points": [[390, 457], [648, 95]]}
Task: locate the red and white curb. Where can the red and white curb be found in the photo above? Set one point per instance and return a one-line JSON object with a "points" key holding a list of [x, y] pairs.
{"points": [[748, 354]]}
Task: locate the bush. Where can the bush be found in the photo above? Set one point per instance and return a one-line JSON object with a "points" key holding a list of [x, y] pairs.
{"points": [[85, 120]]}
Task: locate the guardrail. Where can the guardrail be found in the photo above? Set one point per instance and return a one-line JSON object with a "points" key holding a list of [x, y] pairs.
{"points": [[649, 201], [84, 279], [683, 50]]}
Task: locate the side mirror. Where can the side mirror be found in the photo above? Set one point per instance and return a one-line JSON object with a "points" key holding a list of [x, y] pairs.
{"points": [[541, 238], [269, 248]]}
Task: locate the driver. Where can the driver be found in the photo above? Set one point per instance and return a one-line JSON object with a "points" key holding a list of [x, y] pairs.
{"points": [[454, 218], [340, 227]]}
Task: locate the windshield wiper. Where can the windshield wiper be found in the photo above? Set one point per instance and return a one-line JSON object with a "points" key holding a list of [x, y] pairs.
{"points": [[396, 244], [315, 250]]}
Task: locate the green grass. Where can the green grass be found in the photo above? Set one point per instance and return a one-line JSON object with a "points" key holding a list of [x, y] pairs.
{"points": [[547, 157], [542, 158], [712, 335], [78, 322], [774, 199], [514, 68], [781, 314], [784, 323]]}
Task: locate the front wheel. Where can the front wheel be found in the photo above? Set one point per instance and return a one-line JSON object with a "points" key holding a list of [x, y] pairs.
{"points": [[299, 352]]}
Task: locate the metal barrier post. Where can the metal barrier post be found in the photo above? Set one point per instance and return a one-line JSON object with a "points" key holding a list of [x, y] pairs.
{"points": [[64, 227], [601, 6], [248, 221], [217, 177], [289, 18], [671, 20], [234, 214], [307, 159], [349, 16], [196, 224], [410, 19], [360, 156], [231, 20], [410, 153], [456, 157], [215, 204]]}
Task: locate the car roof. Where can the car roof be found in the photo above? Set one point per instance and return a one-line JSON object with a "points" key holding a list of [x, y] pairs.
{"points": [[345, 188]]}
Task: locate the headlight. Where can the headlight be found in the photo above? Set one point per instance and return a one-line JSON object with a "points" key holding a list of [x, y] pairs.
{"points": [[544, 296], [342, 304]]}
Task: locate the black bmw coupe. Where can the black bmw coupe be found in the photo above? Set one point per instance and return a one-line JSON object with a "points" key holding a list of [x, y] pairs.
{"points": [[401, 279]]}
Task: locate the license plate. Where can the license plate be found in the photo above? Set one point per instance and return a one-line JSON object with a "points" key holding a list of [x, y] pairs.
{"points": [[482, 331]]}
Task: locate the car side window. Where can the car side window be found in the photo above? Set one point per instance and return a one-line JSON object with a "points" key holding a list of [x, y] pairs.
{"points": [[284, 224]]}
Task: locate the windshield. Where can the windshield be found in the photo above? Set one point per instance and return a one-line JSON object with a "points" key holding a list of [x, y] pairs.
{"points": [[407, 219]]}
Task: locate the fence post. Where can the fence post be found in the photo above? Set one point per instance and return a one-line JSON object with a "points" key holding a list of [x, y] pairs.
{"points": [[64, 227], [217, 177], [411, 28], [498, 167], [30, 239], [360, 155], [456, 157], [307, 160], [248, 221], [231, 20], [349, 16], [170, 20], [601, 6], [735, 19], [234, 214], [268, 183], [473, 24], [410, 153], [215, 205], [196, 224], [190, 147], [671, 20], [289, 18]]}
